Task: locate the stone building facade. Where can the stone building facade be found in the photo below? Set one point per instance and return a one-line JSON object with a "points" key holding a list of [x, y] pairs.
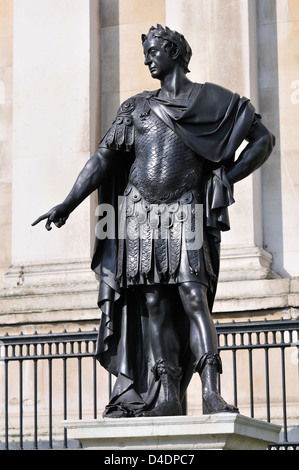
{"points": [[65, 66]]}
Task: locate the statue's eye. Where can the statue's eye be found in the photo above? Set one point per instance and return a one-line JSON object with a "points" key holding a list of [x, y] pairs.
{"points": [[152, 52]]}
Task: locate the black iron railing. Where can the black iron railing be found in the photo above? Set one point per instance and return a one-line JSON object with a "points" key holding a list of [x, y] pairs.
{"points": [[266, 336], [75, 387], [47, 348]]}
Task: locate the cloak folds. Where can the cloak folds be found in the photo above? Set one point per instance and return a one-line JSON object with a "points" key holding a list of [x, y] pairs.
{"points": [[213, 122]]}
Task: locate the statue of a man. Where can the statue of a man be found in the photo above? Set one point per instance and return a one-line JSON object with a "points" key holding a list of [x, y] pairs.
{"points": [[170, 154]]}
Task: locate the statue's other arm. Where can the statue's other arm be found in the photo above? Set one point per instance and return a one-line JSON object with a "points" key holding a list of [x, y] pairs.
{"points": [[88, 180], [258, 150]]}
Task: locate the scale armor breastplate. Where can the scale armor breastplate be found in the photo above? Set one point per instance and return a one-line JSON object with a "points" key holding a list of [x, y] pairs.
{"points": [[164, 167]]}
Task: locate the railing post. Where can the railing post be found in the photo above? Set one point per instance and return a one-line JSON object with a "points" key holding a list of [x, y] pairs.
{"points": [[6, 398], [50, 404], [284, 404], [21, 401]]}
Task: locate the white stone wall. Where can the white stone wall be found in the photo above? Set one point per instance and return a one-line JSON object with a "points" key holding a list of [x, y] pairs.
{"points": [[51, 125], [6, 72]]}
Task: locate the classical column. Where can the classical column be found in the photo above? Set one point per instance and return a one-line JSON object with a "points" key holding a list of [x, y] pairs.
{"points": [[223, 38], [278, 23], [55, 94]]}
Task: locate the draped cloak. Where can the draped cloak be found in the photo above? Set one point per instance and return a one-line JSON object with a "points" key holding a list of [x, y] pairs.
{"points": [[213, 122]]}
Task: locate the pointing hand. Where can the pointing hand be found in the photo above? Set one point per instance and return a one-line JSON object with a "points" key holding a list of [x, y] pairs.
{"points": [[57, 215]]}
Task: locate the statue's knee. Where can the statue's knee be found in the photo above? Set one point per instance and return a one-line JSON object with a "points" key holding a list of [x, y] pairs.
{"points": [[152, 303], [194, 296]]}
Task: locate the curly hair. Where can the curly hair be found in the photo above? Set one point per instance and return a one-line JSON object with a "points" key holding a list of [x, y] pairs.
{"points": [[172, 41]]}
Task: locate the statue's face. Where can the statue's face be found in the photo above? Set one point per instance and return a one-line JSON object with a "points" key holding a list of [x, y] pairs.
{"points": [[157, 59]]}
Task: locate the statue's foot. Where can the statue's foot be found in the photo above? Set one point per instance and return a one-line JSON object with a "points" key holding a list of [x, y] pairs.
{"points": [[214, 403], [117, 411], [166, 408], [115, 414]]}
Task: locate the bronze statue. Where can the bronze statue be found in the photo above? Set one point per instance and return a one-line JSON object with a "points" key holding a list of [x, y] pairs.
{"points": [[171, 154]]}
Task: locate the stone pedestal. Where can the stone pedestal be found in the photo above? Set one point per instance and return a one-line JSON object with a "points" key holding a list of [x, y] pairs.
{"points": [[226, 431]]}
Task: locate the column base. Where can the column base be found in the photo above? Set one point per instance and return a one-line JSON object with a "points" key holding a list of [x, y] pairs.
{"points": [[239, 263], [225, 431], [259, 297]]}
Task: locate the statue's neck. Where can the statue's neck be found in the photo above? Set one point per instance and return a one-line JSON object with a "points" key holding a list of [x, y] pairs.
{"points": [[176, 86]]}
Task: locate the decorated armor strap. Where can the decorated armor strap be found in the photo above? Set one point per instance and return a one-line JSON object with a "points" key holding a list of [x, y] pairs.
{"points": [[158, 233], [121, 134], [146, 249], [175, 237]]}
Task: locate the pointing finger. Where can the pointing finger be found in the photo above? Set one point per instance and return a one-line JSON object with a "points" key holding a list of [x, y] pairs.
{"points": [[42, 217]]}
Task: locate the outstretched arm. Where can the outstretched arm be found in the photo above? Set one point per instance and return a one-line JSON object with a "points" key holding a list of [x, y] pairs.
{"points": [[261, 144], [88, 180]]}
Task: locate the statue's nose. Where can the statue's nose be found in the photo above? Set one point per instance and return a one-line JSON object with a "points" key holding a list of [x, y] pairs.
{"points": [[146, 60]]}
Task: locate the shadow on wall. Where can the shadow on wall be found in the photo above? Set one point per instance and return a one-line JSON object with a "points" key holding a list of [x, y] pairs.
{"points": [[105, 80]]}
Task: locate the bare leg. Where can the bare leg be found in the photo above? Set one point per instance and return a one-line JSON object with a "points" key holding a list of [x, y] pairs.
{"points": [[203, 336], [203, 344]]}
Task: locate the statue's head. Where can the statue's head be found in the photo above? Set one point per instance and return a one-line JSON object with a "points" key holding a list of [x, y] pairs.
{"points": [[173, 42]]}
